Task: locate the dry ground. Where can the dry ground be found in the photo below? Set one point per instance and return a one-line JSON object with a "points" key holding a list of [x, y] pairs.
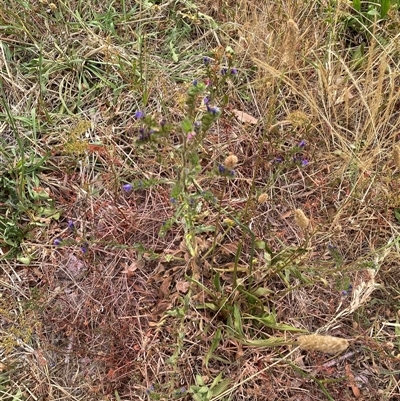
{"points": [[188, 277]]}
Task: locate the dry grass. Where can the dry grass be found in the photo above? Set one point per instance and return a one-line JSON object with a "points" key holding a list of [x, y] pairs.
{"points": [[147, 297]]}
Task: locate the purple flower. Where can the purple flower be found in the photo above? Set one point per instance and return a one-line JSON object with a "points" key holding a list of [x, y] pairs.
{"points": [[150, 389], [71, 225], [57, 241], [302, 143], [197, 124], [344, 293], [234, 71], [278, 159], [195, 82], [221, 169], [304, 162], [139, 115], [84, 247], [224, 71], [206, 60], [127, 187], [213, 110], [206, 100]]}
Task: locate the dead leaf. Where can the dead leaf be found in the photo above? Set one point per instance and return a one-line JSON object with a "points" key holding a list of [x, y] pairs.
{"points": [[230, 248], [130, 270], [244, 117], [182, 286], [161, 307], [163, 291], [345, 96], [352, 381]]}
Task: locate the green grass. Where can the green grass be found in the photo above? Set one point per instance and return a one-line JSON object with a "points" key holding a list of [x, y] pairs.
{"points": [[157, 256]]}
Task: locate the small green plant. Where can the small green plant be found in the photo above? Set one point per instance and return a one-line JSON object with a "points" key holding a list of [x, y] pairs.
{"points": [[203, 392], [24, 204]]}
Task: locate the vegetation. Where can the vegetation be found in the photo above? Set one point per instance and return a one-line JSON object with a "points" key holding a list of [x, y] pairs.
{"points": [[199, 200]]}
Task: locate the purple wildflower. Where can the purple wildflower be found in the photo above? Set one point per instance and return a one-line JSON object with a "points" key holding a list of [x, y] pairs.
{"points": [[195, 82], [71, 225], [206, 100], [127, 187], [213, 110], [84, 247], [139, 115], [304, 162], [234, 71], [57, 241], [206, 60], [302, 143], [224, 71], [221, 169], [197, 124], [278, 159]]}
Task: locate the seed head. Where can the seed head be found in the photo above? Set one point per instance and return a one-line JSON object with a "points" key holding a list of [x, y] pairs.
{"points": [[396, 155], [298, 119], [301, 219], [326, 344], [262, 198], [291, 42], [231, 161]]}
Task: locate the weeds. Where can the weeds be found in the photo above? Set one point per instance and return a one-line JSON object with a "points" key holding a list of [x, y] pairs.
{"points": [[198, 200]]}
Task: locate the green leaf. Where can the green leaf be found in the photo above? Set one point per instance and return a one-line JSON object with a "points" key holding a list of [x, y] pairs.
{"points": [[214, 346], [385, 6], [397, 214], [259, 292], [237, 321], [26, 260], [357, 5], [260, 244], [176, 191], [186, 126], [221, 387], [217, 282]]}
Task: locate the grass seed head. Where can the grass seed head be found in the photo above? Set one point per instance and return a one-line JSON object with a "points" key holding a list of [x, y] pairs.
{"points": [[290, 45], [301, 219], [326, 344], [396, 155], [231, 161], [298, 118]]}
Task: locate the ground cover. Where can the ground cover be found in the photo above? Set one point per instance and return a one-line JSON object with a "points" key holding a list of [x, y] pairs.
{"points": [[199, 200]]}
